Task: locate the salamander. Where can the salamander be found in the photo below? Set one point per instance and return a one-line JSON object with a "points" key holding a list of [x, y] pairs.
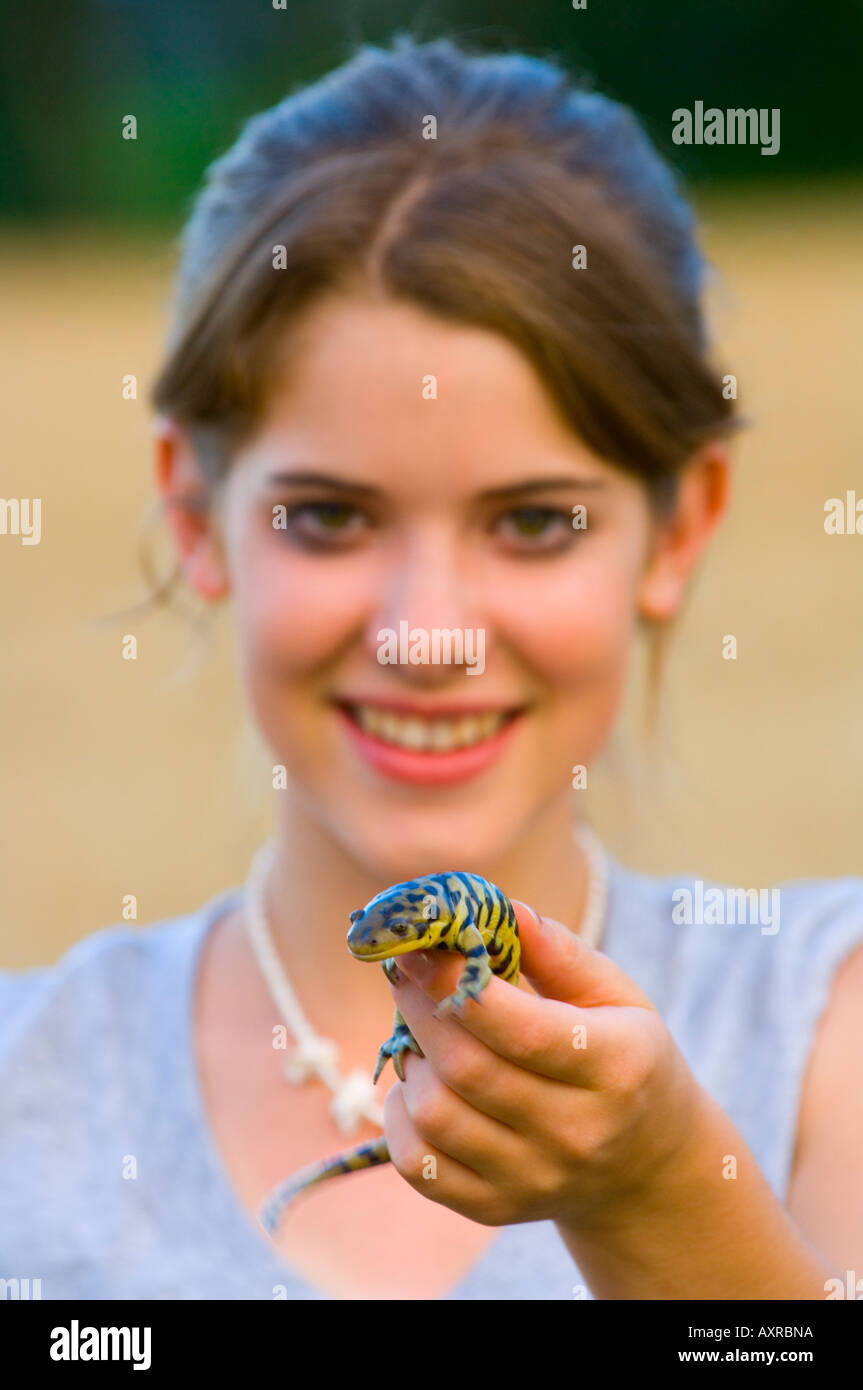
{"points": [[458, 912]]}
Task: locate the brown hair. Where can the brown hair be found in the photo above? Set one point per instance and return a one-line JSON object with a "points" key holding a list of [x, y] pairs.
{"points": [[477, 225]]}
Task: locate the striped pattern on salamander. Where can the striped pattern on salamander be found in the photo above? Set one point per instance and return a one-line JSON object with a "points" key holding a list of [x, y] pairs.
{"points": [[447, 912]]}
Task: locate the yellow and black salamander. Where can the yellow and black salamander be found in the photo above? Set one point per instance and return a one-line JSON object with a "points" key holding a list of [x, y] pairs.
{"points": [[445, 912]]}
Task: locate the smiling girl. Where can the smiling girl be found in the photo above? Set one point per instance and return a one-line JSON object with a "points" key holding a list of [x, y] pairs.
{"points": [[430, 311]]}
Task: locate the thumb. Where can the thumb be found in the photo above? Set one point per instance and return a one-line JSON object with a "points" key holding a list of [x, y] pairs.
{"points": [[561, 966]]}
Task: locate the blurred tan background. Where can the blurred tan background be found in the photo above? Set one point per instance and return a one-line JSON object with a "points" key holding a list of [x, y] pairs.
{"points": [[143, 777]]}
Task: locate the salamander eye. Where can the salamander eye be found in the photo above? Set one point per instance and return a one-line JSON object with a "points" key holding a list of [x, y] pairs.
{"points": [[400, 929]]}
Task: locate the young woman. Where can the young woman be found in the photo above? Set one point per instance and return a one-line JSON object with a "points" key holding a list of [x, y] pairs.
{"points": [[438, 364]]}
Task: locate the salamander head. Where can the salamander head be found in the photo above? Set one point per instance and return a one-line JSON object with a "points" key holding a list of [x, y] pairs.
{"points": [[390, 925]]}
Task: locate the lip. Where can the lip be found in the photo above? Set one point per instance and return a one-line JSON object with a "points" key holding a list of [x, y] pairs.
{"points": [[444, 711], [393, 949], [427, 769]]}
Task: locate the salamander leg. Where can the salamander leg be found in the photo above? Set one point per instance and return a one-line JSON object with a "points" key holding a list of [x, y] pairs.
{"points": [[474, 977], [402, 1040], [388, 966]]}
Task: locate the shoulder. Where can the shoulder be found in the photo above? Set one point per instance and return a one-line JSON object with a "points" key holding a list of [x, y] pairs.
{"points": [[741, 974], [831, 1095], [97, 986], [793, 933], [761, 988], [824, 1190], [93, 1072]]}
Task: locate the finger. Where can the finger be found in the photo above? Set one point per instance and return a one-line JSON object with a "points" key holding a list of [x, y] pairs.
{"points": [[555, 963], [562, 966], [426, 1169], [485, 1080], [555, 1042], [458, 1129]]}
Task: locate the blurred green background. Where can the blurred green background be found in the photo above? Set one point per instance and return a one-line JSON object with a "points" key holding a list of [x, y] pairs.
{"points": [[144, 777], [191, 71]]}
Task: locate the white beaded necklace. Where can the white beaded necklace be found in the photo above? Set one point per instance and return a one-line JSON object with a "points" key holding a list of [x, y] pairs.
{"points": [[354, 1096]]}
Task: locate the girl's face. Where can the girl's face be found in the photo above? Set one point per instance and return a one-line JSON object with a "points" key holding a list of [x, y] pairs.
{"points": [[413, 475]]}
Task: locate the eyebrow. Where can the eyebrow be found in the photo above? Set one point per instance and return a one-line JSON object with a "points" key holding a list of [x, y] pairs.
{"points": [[333, 482]]}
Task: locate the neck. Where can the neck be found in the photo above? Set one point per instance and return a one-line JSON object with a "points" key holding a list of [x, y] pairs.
{"points": [[314, 884]]}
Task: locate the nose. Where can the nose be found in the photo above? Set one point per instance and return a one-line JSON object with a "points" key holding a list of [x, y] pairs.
{"points": [[425, 586]]}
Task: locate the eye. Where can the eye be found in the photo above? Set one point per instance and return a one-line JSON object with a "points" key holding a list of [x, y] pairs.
{"points": [[400, 929], [542, 528], [319, 524]]}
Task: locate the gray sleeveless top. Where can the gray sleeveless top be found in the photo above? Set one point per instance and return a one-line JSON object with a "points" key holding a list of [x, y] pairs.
{"points": [[97, 1063]]}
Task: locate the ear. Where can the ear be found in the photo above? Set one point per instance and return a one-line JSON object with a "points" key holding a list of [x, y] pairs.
{"points": [[187, 511], [704, 492]]}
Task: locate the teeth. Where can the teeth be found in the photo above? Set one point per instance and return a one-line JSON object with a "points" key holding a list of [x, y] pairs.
{"points": [[427, 735], [412, 733]]}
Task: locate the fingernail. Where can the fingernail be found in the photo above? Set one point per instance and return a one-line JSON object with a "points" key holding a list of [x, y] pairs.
{"points": [[531, 910], [395, 976]]}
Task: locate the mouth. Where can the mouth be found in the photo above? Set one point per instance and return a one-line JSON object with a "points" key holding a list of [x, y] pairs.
{"points": [[428, 749], [395, 948], [430, 734]]}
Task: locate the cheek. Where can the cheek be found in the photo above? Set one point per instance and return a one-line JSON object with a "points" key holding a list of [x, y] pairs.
{"points": [[576, 628], [292, 613]]}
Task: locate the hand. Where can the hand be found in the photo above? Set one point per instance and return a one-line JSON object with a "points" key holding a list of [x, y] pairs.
{"points": [[550, 1102]]}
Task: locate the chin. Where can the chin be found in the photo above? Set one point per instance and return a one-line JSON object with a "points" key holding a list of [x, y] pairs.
{"points": [[395, 848]]}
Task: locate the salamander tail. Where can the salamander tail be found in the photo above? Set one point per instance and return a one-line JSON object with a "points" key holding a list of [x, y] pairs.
{"points": [[351, 1161]]}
